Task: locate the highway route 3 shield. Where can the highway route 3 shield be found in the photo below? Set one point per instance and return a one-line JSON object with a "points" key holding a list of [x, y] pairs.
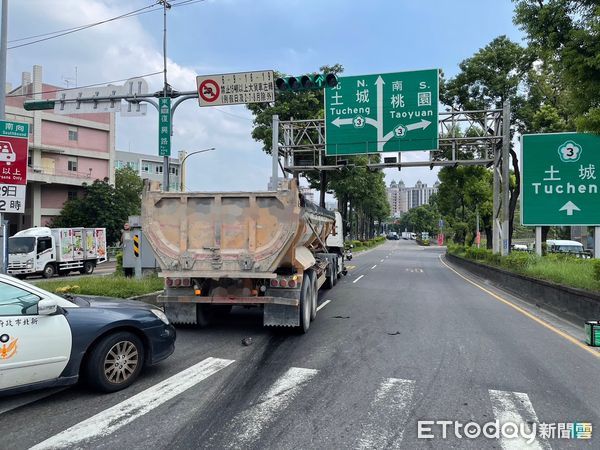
{"points": [[559, 179], [382, 113], [14, 147], [236, 88]]}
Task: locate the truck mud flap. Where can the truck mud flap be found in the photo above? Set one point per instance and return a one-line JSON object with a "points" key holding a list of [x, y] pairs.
{"points": [[281, 316], [181, 313]]}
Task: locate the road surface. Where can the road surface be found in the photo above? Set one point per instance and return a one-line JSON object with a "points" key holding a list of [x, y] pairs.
{"points": [[402, 339]]}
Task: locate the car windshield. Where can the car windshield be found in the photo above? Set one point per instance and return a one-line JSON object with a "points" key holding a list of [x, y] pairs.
{"points": [[570, 248], [21, 245]]}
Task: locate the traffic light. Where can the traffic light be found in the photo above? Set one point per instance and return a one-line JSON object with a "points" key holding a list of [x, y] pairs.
{"points": [[37, 105], [309, 82]]}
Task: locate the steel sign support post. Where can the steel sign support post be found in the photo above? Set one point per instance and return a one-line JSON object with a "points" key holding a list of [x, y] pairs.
{"points": [[538, 241], [275, 153], [596, 242]]}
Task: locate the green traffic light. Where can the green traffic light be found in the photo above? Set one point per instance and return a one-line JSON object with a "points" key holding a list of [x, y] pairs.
{"points": [[309, 82]]}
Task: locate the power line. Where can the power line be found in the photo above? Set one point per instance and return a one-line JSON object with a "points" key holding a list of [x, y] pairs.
{"points": [[83, 27], [86, 86], [54, 34]]}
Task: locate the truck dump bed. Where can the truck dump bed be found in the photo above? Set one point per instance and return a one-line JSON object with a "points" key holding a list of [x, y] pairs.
{"points": [[232, 234]]}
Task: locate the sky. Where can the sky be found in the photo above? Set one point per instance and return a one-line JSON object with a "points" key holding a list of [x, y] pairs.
{"points": [[224, 36]]}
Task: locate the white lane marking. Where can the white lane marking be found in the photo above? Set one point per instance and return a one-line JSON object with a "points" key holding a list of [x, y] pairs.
{"points": [[381, 260], [358, 278], [323, 305], [247, 426], [515, 407], [373, 266], [387, 415], [111, 419]]}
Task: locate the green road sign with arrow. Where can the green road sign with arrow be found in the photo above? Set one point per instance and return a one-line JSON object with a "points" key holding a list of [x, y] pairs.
{"points": [[559, 184], [389, 112]]}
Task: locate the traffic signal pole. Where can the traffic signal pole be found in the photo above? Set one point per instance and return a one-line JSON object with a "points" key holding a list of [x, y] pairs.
{"points": [[166, 6]]}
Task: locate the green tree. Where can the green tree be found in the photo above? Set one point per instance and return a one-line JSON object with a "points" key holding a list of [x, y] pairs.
{"points": [[563, 34], [495, 74], [303, 105], [103, 205]]}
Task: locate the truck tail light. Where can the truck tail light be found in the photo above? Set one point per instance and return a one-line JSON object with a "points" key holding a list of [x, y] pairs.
{"points": [[186, 282], [177, 282], [283, 283], [292, 283], [274, 282], [169, 282]]}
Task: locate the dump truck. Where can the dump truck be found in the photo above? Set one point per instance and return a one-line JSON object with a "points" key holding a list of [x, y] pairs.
{"points": [[273, 250], [48, 251]]}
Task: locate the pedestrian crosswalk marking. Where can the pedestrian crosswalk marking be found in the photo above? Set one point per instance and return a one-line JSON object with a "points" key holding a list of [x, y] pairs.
{"points": [[111, 419], [414, 270], [516, 408], [247, 426], [387, 415]]}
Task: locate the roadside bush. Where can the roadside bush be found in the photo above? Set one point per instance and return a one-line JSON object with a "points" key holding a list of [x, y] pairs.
{"points": [[478, 254], [518, 261], [119, 269], [596, 265]]}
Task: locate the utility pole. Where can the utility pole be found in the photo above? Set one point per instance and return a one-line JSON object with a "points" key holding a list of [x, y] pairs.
{"points": [[3, 45], [166, 5]]}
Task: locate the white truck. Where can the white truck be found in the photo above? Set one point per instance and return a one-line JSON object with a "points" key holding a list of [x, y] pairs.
{"points": [[272, 250], [48, 251]]}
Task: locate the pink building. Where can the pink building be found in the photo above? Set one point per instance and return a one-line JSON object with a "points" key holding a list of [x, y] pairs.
{"points": [[65, 151]]}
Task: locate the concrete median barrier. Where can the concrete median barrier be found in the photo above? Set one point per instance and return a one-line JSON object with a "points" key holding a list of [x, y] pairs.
{"points": [[574, 305]]}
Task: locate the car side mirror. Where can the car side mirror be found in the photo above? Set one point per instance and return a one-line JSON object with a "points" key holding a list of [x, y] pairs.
{"points": [[47, 306]]}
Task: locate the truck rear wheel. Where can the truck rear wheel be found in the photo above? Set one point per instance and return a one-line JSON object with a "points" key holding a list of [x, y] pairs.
{"points": [[305, 306], [314, 296], [330, 281], [87, 269]]}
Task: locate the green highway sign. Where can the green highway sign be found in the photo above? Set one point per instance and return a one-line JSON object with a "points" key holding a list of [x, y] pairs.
{"points": [[164, 126], [559, 182], [390, 112]]}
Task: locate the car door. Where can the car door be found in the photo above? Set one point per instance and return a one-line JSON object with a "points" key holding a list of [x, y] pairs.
{"points": [[33, 347]]}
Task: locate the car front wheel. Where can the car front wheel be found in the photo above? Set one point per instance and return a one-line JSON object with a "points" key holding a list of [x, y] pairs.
{"points": [[115, 362]]}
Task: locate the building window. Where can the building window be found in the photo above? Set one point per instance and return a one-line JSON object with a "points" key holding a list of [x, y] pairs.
{"points": [[118, 164], [158, 169], [132, 165], [174, 170], [73, 134], [71, 195], [145, 167], [72, 165]]}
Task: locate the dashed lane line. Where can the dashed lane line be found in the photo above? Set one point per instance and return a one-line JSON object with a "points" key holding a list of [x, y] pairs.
{"points": [[358, 278], [323, 305]]}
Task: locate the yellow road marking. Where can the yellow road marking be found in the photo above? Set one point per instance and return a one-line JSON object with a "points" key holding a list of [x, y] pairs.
{"points": [[527, 314], [350, 267]]}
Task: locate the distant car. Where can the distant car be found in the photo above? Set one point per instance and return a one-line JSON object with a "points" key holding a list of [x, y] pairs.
{"points": [[47, 340], [393, 237], [566, 246], [520, 247]]}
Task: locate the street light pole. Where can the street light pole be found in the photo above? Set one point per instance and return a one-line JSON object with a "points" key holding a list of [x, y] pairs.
{"points": [[166, 5], [183, 161]]}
